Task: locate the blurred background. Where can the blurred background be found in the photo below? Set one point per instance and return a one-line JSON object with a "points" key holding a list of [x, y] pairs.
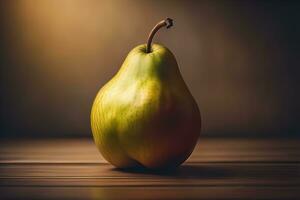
{"points": [[240, 60]]}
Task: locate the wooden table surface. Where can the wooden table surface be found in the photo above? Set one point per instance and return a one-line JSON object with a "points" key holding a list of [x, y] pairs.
{"points": [[218, 169]]}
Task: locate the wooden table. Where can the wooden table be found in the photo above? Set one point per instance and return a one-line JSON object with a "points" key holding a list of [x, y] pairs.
{"points": [[218, 169]]}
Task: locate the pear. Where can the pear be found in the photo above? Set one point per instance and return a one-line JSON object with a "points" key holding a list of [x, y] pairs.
{"points": [[145, 115]]}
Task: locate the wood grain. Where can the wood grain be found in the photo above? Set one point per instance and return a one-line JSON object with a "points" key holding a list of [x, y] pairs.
{"points": [[217, 169]]}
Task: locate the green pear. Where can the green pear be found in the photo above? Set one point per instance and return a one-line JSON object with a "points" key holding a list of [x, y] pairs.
{"points": [[145, 115]]}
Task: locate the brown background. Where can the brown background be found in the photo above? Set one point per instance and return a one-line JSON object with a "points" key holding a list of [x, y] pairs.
{"points": [[240, 60]]}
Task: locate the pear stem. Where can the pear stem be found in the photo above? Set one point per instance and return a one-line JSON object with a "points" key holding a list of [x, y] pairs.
{"points": [[167, 22]]}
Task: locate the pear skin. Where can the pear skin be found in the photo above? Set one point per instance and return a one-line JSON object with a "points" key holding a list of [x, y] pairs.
{"points": [[145, 115]]}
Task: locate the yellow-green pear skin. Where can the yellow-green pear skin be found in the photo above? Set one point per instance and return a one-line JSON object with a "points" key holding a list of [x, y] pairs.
{"points": [[145, 115]]}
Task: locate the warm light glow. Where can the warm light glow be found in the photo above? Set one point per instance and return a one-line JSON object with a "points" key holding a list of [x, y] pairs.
{"points": [[64, 51]]}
